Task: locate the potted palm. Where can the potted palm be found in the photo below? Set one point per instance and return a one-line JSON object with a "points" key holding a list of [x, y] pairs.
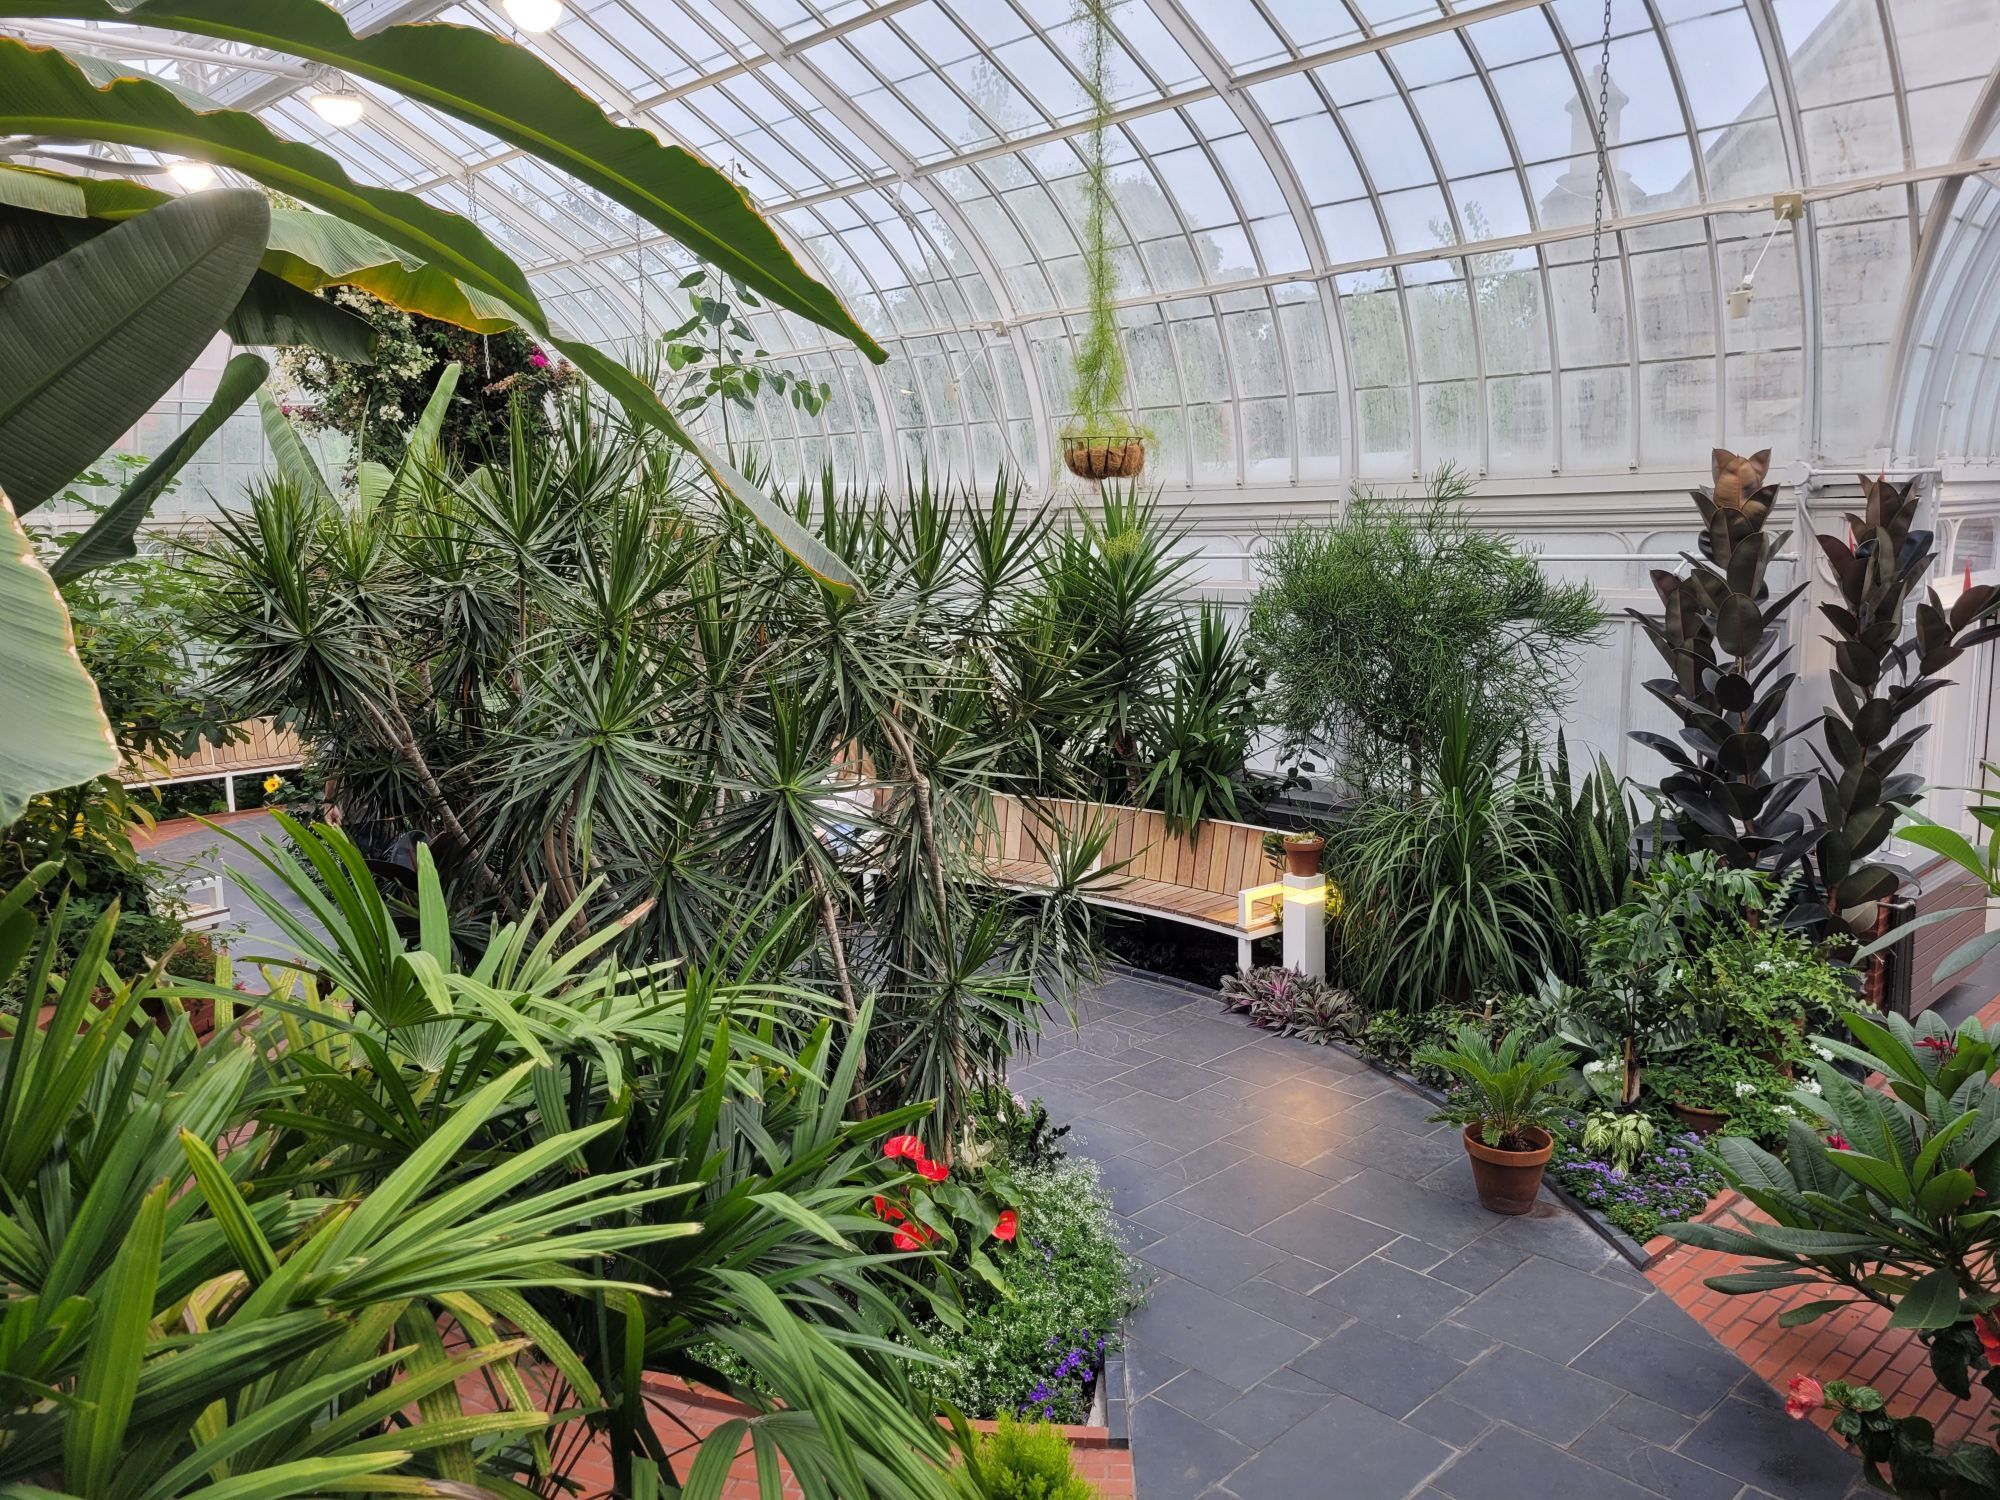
{"points": [[1100, 441], [1503, 1099]]}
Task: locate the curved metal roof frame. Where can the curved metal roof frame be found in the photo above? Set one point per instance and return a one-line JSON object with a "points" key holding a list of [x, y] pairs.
{"points": [[1357, 233]]}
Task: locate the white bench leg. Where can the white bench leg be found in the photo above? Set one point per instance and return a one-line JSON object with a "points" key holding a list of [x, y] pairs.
{"points": [[1243, 955]]}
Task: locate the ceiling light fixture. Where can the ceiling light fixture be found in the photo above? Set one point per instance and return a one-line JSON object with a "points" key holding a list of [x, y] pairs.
{"points": [[533, 15], [338, 102], [194, 176]]}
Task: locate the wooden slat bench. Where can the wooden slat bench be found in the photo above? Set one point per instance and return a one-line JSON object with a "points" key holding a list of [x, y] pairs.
{"points": [[266, 749], [1222, 880]]}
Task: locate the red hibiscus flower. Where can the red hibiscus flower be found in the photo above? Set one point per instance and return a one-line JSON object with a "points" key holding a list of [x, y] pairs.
{"points": [[1989, 1336], [1838, 1142], [1803, 1397], [1008, 1226], [903, 1145], [932, 1171]]}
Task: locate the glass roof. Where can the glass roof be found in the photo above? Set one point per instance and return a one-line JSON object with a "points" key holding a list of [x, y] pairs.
{"points": [[1355, 237]]}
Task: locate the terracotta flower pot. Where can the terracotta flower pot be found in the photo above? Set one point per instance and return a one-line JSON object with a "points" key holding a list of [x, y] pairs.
{"points": [[1700, 1121], [1302, 855], [1507, 1181], [1105, 458]]}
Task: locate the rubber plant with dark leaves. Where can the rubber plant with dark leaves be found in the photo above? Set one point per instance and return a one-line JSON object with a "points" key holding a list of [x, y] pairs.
{"points": [[1879, 675], [1717, 632], [1884, 1200]]}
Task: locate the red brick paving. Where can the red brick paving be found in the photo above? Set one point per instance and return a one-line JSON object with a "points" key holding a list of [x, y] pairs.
{"points": [[684, 1415], [1854, 1344]]}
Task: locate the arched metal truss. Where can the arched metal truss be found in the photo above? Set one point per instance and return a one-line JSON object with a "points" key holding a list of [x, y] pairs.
{"points": [[1356, 234]]}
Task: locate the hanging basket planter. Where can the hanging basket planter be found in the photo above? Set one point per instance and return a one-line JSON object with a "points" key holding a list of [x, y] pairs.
{"points": [[1105, 458]]}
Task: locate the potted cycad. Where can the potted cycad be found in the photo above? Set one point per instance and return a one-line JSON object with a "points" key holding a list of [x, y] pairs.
{"points": [[1100, 441], [1504, 1099]]}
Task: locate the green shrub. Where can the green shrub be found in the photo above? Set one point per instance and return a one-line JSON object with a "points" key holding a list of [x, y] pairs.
{"points": [[1026, 1461], [1036, 1352]]}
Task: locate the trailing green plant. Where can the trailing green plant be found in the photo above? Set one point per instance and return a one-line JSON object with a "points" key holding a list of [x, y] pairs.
{"points": [[715, 369], [1718, 634], [1196, 738], [1506, 1092], [1877, 1199], [1097, 396], [1377, 629], [1024, 1461], [1450, 894], [1879, 676]]}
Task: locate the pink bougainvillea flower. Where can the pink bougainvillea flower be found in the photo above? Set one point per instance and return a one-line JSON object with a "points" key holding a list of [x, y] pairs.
{"points": [[903, 1145], [1803, 1397], [539, 360], [1008, 1226], [1989, 1336], [1838, 1142], [932, 1171]]}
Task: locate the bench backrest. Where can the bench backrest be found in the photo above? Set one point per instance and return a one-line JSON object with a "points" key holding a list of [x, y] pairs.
{"points": [[268, 747], [1223, 857]]}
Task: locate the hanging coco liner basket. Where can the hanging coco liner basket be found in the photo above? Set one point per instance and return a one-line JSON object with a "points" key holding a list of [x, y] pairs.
{"points": [[1105, 458]]}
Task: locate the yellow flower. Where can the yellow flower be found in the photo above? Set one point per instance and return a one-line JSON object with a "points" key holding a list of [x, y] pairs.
{"points": [[272, 783]]}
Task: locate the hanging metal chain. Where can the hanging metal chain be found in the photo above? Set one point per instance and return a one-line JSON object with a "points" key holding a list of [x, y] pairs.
{"points": [[1603, 156]]}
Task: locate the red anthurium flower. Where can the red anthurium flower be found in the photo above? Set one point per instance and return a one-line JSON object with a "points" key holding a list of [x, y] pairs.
{"points": [[884, 1209], [913, 1236], [1989, 1335], [1838, 1142], [932, 1171], [1008, 1226], [903, 1145], [1803, 1397]]}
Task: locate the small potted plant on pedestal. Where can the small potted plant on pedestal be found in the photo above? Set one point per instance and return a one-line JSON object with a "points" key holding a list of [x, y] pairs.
{"points": [[1302, 853], [1100, 441], [1504, 1099]]}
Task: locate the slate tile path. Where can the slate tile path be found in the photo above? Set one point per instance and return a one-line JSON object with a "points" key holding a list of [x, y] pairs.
{"points": [[1333, 1314]]}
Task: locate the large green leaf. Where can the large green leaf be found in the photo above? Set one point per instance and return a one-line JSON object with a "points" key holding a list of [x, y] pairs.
{"points": [[110, 537], [91, 340], [53, 732], [288, 449], [42, 93], [510, 92]]}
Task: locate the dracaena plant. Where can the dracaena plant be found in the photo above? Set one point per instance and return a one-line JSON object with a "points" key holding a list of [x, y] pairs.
{"points": [[1879, 676], [1717, 632], [1883, 1200]]}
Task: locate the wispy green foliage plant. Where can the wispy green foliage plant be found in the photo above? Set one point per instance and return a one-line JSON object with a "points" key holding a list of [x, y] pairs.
{"points": [[1098, 396]]}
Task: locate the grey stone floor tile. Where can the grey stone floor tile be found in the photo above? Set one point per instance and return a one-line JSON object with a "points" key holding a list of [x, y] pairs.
{"points": [[1480, 1263], [1688, 1377], [1390, 1148], [1174, 1456], [1390, 1297], [1448, 1422], [1270, 1409], [1205, 1331], [1299, 1143], [1345, 1448], [1441, 1219], [1553, 1309], [1147, 1369], [1250, 1194], [1169, 1078], [1657, 1424], [1200, 1041], [1414, 1254], [1256, 1064], [1303, 1099], [1507, 1464], [1298, 1310], [1135, 1187], [1210, 1255], [1295, 1273], [1763, 1447], [1392, 1374], [1199, 1396], [1653, 1468], [1535, 1394], [1326, 1236], [1460, 1342], [1555, 1233]]}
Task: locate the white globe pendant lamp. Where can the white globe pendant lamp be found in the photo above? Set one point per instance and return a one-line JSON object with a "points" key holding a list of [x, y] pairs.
{"points": [[194, 176], [533, 15], [339, 103]]}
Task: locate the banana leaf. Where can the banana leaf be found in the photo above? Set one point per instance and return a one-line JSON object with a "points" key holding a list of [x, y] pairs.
{"points": [[53, 733], [510, 92], [110, 537], [43, 93], [272, 311], [92, 339]]}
